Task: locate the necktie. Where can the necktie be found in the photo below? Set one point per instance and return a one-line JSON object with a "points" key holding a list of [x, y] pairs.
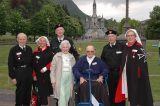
{"points": [[60, 41], [24, 49]]}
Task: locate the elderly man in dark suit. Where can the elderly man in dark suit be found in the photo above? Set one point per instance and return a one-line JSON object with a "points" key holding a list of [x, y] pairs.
{"points": [[20, 70], [55, 42]]}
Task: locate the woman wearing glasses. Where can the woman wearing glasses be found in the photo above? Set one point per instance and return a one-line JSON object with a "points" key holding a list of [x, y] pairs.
{"points": [[134, 83], [42, 58]]}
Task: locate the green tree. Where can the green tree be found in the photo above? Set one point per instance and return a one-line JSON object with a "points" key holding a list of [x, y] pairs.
{"points": [[46, 18], [50, 15], [111, 24], [4, 11], [132, 23], [153, 28], [16, 23], [73, 26], [3, 23]]}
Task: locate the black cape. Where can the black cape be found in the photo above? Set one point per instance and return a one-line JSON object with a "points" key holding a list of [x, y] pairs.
{"points": [[139, 90]]}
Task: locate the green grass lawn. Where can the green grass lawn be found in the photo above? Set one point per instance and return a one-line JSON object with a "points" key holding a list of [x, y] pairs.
{"points": [[152, 54]]}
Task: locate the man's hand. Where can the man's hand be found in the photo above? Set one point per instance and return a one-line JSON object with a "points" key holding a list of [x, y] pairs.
{"points": [[14, 81], [82, 80], [100, 79]]}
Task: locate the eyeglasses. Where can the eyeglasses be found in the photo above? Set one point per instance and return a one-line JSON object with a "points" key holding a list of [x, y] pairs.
{"points": [[90, 51], [129, 35]]}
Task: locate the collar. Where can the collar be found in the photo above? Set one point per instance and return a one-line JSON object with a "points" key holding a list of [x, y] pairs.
{"points": [[136, 43], [90, 59], [111, 45], [38, 49], [60, 38], [22, 46], [59, 54]]}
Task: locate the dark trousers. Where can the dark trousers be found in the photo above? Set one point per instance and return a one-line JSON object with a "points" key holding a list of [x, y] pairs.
{"points": [[113, 79], [44, 88], [99, 91], [24, 86]]}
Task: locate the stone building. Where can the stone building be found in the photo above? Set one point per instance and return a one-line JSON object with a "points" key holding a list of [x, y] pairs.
{"points": [[94, 25]]}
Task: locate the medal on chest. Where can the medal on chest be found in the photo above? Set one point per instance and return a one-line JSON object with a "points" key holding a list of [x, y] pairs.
{"points": [[18, 54], [134, 51], [37, 59]]}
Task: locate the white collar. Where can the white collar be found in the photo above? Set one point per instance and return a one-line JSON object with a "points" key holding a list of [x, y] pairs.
{"points": [[60, 38], [22, 46], [90, 59], [112, 44]]}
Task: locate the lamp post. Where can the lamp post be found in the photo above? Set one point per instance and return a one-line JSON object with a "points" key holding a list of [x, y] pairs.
{"points": [[126, 24], [48, 20]]}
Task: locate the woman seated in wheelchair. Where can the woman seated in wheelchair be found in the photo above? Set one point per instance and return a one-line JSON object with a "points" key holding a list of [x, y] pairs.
{"points": [[98, 73]]}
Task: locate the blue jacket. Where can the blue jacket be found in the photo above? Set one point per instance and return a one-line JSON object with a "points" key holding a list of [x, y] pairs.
{"points": [[97, 66]]}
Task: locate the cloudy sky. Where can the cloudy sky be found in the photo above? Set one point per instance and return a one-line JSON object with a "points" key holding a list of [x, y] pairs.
{"points": [[138, 9]]}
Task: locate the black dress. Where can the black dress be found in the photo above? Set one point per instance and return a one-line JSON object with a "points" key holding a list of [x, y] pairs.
{"points": [[43, 59]]}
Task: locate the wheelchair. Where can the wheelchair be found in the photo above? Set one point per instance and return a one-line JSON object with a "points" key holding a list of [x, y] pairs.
{"points": [[75, 93]]}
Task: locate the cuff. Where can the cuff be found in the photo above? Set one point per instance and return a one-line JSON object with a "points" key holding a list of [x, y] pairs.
{"points": [[44, 69]]}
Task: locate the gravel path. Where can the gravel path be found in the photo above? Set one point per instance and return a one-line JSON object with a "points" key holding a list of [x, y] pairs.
{"points": [[7, 98]]}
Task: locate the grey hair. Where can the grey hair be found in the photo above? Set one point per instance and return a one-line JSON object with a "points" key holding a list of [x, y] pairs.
{"points": [[47, 41], [91, 46], [21, 34], [64, 42]]}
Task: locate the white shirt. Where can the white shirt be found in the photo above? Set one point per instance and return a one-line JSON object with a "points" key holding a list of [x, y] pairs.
{"points": [[22, 47], [66, 62], [90, 60], [60, 39], [112, 44]]}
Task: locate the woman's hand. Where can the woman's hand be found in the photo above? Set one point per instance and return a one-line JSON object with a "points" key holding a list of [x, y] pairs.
{"points": [[43, 70]]}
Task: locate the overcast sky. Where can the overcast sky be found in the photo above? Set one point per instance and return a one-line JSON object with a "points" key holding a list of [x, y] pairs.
{"points": [[138, 9]]}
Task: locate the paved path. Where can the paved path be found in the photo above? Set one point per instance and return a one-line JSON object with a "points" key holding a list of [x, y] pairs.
{"points": [[7, 98]]}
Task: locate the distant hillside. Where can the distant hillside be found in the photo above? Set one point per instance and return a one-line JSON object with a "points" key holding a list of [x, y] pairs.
{"points": [[73, 9]]}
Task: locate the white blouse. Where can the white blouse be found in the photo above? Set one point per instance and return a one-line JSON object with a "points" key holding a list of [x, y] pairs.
{"points": [[66, 62]]}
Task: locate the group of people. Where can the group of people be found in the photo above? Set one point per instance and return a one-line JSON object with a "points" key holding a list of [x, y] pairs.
{"points": [[118, 77]]}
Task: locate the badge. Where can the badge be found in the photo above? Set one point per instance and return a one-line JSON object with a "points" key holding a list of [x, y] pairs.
{"points": [[37, 57], [118, 52], [18, 53], [134, 50], [94, 63]]}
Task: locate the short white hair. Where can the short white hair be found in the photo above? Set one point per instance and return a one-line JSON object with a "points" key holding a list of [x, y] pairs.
{"points": [[64, 42], [21, 34], [47, 41]]}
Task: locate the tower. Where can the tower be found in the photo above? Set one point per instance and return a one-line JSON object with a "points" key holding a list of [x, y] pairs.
{"points": [[95, 24], [94, 16], [94, 9]]}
